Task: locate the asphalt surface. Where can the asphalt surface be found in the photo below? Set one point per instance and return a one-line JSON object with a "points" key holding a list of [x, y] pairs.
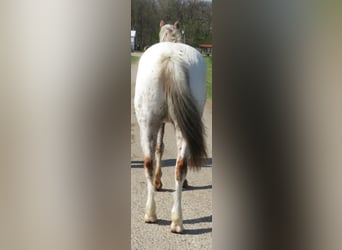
{"points": [[196, 199]]}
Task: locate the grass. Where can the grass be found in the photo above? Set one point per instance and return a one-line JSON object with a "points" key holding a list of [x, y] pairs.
{"points": [[208, 60], [134, 59]]}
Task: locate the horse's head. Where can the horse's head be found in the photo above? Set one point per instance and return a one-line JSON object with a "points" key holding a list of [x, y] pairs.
{"points": [[169, 32]]}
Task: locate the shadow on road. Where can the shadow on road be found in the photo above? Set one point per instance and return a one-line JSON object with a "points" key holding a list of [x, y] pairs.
{"points": [[198, 231], [169, 163], [206, 219], [188, 188], [199, 220], [166, 190]]}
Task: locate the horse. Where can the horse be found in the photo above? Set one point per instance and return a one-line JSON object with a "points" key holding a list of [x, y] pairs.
{"points": [[170, 87], [169, 32]]}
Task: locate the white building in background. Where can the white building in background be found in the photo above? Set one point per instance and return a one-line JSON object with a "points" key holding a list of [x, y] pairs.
{"points": [[133, 40]]}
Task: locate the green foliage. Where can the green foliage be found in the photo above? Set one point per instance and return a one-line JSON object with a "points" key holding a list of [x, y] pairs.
{"points": [[209, 62], [134, 59], [195, 17]]}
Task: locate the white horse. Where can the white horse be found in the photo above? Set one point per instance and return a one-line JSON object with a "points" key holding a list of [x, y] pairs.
{"points": [[170, 87], [169, 32]]}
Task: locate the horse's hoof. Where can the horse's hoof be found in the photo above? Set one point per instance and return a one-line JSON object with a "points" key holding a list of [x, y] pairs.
{"points": [[185, 183], [177, 228], [150, 218], [158, 185]]}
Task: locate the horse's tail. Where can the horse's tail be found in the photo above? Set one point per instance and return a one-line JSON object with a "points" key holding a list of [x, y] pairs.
{"points": [[183, 109]]}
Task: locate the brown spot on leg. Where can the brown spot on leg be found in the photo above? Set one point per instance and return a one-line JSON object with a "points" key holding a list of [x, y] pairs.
{"points": [[148, 165], [185, 183], [159, 154], [181, 168], [157, 184], [157, 177], [158, 173]]}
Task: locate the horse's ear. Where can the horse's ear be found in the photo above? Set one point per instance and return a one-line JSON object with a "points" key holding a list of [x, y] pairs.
{"points": [[176, 25], [162, 23]]}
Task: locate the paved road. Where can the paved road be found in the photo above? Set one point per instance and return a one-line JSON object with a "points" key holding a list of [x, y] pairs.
{"points": [[196, 201]]}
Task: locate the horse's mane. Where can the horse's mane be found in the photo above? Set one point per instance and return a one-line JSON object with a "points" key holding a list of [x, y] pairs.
{"points": [[169, 32]]}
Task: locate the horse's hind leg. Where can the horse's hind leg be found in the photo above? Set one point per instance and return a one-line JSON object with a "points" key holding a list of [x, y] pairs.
{"points": [[180, 174], [148, 143], [159, 154]]}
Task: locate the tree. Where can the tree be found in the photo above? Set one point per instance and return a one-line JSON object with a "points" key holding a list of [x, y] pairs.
{"points": [[143, 20], [195, 17]]}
